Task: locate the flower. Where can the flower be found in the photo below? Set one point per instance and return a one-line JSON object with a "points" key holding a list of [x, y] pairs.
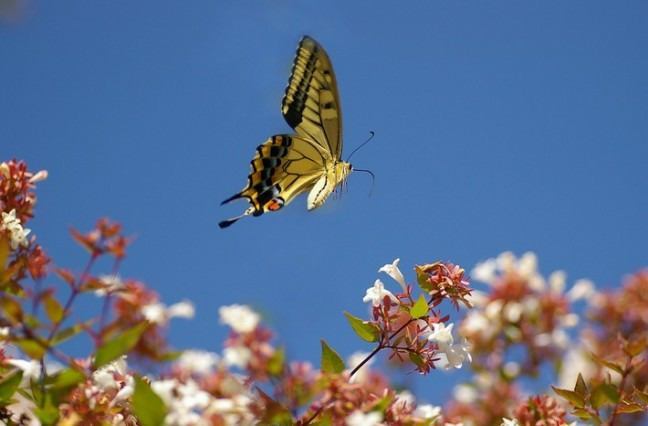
{"points": [[485, 271], [113, 283], [198, 362], [377, 293], [160, 314], [184, 401], [238, 356], [17, 233], [241, 318], [441, 334], [31, 369], [39, 176], [393, 271], [427, 411], [358, 418], [582, 289], [454, 355]]}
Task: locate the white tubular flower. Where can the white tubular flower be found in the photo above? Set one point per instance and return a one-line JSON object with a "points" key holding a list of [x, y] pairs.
{"points": [[184, 309], [510, 422], [31, 369], [455, 355], [527, 265], [358, 418], [393, 271], [405, 398], [512, 311], [17, 235], [477, 323], [485, 271], [582, 289], [506, 262], [41, 175], [113, 284], [557, 281], [377, 293], [237, 356], [240, 318], [441, 334], [198, 362], [155, 313], [465, 394], [427, 411], [160, 314], [4, 170]]}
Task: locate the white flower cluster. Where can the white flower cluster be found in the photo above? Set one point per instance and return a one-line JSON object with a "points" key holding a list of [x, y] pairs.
{"points": [[113, 376], [377, 293], [188, 404], [495, 315], [17, 234]]}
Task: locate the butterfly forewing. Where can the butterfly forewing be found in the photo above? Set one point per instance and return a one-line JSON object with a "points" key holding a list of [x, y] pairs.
{"points": [[311, 104]]}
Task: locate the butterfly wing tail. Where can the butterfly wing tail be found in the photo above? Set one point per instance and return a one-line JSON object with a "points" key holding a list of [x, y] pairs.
{"points": [[232, 198], [225, 223]]}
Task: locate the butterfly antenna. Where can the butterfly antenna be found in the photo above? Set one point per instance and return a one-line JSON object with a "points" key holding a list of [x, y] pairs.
{"points": [[373, 178], [371, 135]]}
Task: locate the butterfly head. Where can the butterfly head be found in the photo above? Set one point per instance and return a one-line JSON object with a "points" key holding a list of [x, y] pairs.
{"points": [[342, 171]]}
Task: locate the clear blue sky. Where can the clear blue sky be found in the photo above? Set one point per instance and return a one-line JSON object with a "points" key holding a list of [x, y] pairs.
{"points": [[500, 125]]}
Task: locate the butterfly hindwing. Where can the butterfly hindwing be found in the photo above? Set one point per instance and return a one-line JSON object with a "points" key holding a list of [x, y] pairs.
{"points": [[283, 167]]}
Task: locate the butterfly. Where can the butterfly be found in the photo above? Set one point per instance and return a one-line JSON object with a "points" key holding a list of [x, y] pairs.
{"points": [[285, 166]]}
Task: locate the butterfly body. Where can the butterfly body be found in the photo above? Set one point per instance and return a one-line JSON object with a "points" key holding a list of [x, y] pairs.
{"points": [[285, 166]]}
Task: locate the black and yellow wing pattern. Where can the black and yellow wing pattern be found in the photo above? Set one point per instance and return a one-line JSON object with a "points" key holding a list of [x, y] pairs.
{"points": [[285, 166]]}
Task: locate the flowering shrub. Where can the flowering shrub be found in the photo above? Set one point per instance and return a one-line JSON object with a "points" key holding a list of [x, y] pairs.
{"points": [[521, 326]]}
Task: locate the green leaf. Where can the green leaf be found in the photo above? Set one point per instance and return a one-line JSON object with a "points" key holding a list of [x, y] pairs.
{"points": [[32, 348], [365, 330], [11, 309], [602, 394], [65, 378], [573, 397], [611, 392], [4, 253], [331, 361], [119, 345], [53, 308], [69, 332], [276, 362], [582, 414], [147, 405], [48, 413], [422, 278], [275, 413], [611, 365], [416, 359], [580, 387], [632, 407], [635, 347], [642, 395], [420, 308], [8, 386]]}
